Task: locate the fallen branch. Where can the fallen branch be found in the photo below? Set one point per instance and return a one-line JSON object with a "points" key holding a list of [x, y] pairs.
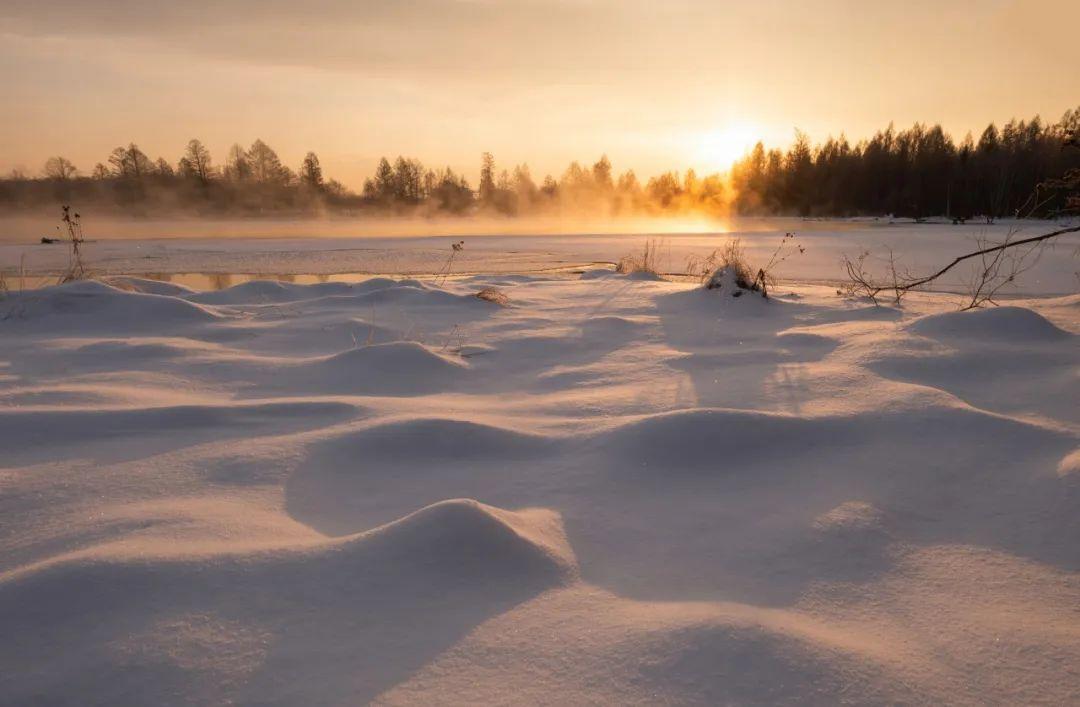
{"points": [[861, 284], [986, 251]]}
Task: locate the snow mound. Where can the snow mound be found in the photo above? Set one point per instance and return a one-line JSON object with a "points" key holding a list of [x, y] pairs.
{"points": [[442, 439], [370, 476], [189, 628], [702, 437], [199, 515], [474, 540], [413, 293], [808, 346], [125, 352], [742, 663], [596, 273], [1005, 324], [58, 396], [97, 306], [726, 281], [852, 540], [396, 368], [1070, 464], [382, 283], [149, 287], [110, 432], [609, 327], [717, 439], [851, 517], [270, 291]]}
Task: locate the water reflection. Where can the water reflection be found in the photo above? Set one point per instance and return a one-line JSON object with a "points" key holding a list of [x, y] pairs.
{"points": [[216, 281]]}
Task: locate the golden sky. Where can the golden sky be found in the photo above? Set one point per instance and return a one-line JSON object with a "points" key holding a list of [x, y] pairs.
{"points": [[656, 85]]}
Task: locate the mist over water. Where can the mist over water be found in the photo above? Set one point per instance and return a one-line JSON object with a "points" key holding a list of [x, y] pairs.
{"points": [[315, 248], [31, 228]]}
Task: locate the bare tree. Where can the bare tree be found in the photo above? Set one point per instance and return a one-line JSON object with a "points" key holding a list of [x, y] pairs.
{"points": [[237, 165], [60, 168], [198, 161], [130, 162], [265, 164], [311, 172]]}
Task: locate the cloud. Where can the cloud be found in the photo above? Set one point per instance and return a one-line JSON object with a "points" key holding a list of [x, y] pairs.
{"points": [[414, 37]]}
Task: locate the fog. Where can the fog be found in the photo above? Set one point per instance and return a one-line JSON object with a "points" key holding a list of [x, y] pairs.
{"points": [[31, 228]]}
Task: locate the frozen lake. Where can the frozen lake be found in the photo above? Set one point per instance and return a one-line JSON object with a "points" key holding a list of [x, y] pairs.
{"points": [[301, 252]]}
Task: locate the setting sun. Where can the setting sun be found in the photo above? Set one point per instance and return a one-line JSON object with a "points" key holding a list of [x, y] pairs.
{"points": [[721, 148], [539, 352]]}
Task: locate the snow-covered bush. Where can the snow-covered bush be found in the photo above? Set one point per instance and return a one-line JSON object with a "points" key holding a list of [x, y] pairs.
{"points": [[646, 261], [728, 269]]}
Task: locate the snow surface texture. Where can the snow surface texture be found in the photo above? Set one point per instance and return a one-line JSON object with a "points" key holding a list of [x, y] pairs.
{"points": [[612, 491]]}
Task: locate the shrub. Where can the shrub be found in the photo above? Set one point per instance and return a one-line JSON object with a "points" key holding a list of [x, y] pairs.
{"points": [[646, 261], [729, 267]]}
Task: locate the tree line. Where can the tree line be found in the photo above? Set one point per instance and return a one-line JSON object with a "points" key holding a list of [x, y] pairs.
{"points": [[917, 172], [251, 180]]}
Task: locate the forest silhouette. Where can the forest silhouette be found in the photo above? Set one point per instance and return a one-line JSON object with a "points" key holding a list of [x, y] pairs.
{"points": [[917, 172]]}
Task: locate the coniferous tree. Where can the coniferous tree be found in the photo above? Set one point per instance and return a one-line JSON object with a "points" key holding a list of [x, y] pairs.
{"points": [[487, 178]]}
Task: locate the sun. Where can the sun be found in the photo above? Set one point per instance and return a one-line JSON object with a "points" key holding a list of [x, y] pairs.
{"points": [[721, 148]]}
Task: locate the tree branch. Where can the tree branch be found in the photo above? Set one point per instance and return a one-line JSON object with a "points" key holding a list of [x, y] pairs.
{"points": [[861, 283], [1010, 244]]}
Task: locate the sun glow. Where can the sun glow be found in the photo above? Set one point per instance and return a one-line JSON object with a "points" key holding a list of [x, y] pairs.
{"points": [[720, 149]]}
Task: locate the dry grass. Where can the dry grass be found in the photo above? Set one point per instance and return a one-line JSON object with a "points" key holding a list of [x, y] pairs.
{"points": [[732, 258], [496, 296], [646, 261], [447, 269], [731, 261], [76, 267]]}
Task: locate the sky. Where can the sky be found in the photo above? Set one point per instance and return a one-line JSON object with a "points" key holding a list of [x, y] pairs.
{"points": [[654, 85]]}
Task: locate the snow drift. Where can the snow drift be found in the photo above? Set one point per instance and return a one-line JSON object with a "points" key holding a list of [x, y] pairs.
{"points": [[614, 491]]}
